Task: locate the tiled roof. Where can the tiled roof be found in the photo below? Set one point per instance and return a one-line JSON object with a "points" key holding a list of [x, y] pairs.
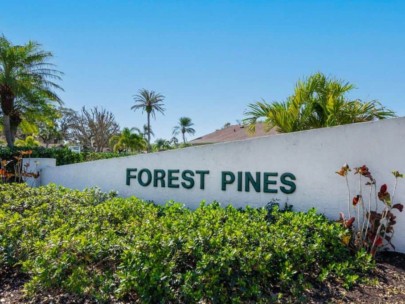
{"points": [[231, 133]]}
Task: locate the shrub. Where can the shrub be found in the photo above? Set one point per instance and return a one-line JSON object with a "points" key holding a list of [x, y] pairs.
{"points": [[373, 229], [90, 156], [92, 244], [63, 155]]}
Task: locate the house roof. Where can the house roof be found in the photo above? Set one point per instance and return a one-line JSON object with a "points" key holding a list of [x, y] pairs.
{"points": [[231, 133]]}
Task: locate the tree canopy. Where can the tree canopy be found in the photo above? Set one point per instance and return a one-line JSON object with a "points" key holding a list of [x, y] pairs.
{"points": [[149, 102], [93, 128], [128, 140], [184, 127], [318, 101], [28, 82]]}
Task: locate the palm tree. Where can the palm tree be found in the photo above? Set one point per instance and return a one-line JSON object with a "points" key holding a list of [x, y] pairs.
{"points": [[149, 101], [26, 79], [161, 144], [128, 140], [184, 126], [147, 130], [317, 102], [174, 141]]}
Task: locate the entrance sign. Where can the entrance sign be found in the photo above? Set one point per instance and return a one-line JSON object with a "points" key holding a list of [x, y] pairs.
{"points": [[298, 168], [185, 179]]}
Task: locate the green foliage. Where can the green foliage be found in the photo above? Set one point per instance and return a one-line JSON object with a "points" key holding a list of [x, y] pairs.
{"points": [[90, 156], [29, 141], [92, 244], [183, 127], [161, 145], [63, 156], [149, 102], [128, 140], [318, 101], [28, 81]]}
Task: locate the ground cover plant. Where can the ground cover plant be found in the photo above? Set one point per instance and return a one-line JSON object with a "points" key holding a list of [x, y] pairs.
{"points": [[98, 246]]}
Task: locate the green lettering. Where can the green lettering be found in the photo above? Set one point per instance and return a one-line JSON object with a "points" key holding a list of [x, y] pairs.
{"points": [[129, 176], [172, 178], [159, 175], [149, 175], [249, 180], [290, 183], [267, 182], [202, 174], [186, 175], [225, 181], [240, 180]]}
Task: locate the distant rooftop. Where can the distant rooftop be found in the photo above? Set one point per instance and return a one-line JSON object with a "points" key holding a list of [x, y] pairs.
{"points": [[231, 133]]}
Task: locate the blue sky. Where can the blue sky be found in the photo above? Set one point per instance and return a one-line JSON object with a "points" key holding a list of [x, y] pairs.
{"points": [[212, 58]]}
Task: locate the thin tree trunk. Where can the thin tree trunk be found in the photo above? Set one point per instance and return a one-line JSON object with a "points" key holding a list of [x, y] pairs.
{"points": [[184, 138], [15, 121], [149, 149], [7, 131]]}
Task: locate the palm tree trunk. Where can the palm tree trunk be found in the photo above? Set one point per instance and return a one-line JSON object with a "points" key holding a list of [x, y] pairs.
{"points": [[148, 131], [7, 131], [184, 137], [15, 121]]}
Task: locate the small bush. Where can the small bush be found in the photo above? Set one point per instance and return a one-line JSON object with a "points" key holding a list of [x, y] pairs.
{"points": [[90, 156], [370, 228], [63, 156], [92, 244]]}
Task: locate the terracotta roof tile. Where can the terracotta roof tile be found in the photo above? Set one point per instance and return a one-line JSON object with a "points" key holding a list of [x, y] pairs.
{"points": [[231, 133]]}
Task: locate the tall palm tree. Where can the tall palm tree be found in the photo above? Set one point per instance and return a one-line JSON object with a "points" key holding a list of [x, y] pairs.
{"points": [[147, 130], [128, 140], [26, 78], [184, 126], [318, 101], [150, 102]]}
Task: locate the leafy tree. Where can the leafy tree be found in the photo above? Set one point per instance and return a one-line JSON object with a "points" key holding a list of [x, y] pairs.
{"points": [[184, 127], [29, 141], [65, 123], [162, 144], [48, 133], [94, 128], [57, 127], [318, 101], [39, 119], [27, 84], [150, 102], [128, 140]]}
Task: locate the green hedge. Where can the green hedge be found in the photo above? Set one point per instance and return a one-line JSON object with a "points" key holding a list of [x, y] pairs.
{"points": [[63, 155], [89, 156], [92, 244]]}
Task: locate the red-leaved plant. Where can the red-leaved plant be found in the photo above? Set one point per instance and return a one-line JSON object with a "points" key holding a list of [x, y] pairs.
{"points": [[373, 229], [14, 170]]}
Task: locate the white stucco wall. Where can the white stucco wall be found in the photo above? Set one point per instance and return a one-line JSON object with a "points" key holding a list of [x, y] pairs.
{"points": [[36, 165], [312, 156]]}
